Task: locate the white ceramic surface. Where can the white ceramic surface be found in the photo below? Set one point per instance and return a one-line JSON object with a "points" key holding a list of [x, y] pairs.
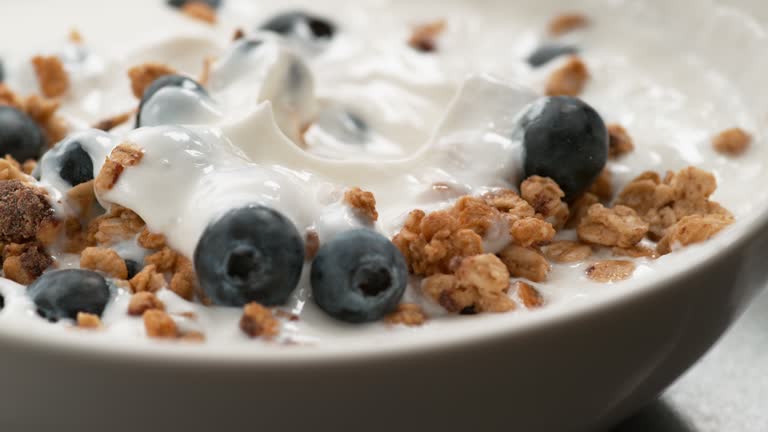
{"points": [[575, 369]]}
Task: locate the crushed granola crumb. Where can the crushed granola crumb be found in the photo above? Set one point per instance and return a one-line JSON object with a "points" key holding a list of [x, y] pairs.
{"points": [[22, 211], [569, 79], [566, 252], [88, 321], [530, 296], [149, 240], [110, 123], [104, 260], [619, 141], [610, 271], [546, 198], [148, 279], [619, 226], [160, 325], [144, 75], [239, 34], [23, 263], [258, 321], [692, 229], [567, 22], [363, 202], [75, 36], [53, 78], [525, 263], [199, 10], [311, 244], [732, 142], [407, 314], [123, 156], [143, 301], [424, 36]]}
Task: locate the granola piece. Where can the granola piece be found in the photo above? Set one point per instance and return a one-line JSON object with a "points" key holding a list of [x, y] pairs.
{"points": [[184, 280], [311, 244], [525, 263], [88, 321], [566, 252], [83, 197], [407, 314], [75, 36], [446, 290], [193, 337], [636, 251], [569, 79], [9, 98], [48, 232], [149, 240], [732, 142], [567, 22], [53, 78], [118, 224], [258, 321], [148, 279], [24, 263], [164, 259], [603, 185], [619, 141], [123, 156], [579, 209], [22, 211], [239, 34], [610, 271], [530, 296], [546, 198], [692, 229], [199, 10], [532, 231], [143, 301], [160, 325], [10, 171], [424, 36], [110, 123], [619, 226], [144, 75], [43, 112], [473, 213], [490, 278], [508, 201], [363, 202], [104, 260]]}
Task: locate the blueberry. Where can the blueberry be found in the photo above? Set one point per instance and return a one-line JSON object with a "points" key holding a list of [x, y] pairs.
{"points": [[301, 24], [360, 276], [62, 294], [250, 254], [345, 125], [215, 4], [2, 71], [133, 268], [20, 136], [168, 81], [564, 139], [76, 165], [2, 302], [546, 53]]}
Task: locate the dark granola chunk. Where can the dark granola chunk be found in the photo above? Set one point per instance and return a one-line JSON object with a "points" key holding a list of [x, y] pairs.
{"points": [[22, 211]]}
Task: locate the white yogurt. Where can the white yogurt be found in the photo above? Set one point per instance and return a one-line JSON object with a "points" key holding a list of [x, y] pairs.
{"points": [[446, 117]]}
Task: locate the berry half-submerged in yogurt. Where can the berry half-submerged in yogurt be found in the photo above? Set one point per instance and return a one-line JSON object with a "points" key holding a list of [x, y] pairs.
{"points": [[313, 181]]}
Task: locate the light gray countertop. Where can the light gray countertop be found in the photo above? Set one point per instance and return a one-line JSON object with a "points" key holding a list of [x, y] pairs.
{"points": [[727, 391]]}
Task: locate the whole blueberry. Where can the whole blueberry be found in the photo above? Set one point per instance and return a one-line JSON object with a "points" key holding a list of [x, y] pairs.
{"points": [[360, 276], [564, 139], [2, 302], [167, 81], [251, 254], [546, 53], [133, 268], [214, 4], [300, 23], [62, 294], [20, 136], [76, 165]]}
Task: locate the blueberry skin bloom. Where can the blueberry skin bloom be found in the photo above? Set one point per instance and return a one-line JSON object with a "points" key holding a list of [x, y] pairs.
{"points": [[167, 81], [62, 294], [564, 139], [251, 254], [359, 277], [20, 136]]}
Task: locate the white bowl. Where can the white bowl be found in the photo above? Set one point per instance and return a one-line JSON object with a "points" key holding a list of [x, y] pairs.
{"points": [[576, 368]]}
